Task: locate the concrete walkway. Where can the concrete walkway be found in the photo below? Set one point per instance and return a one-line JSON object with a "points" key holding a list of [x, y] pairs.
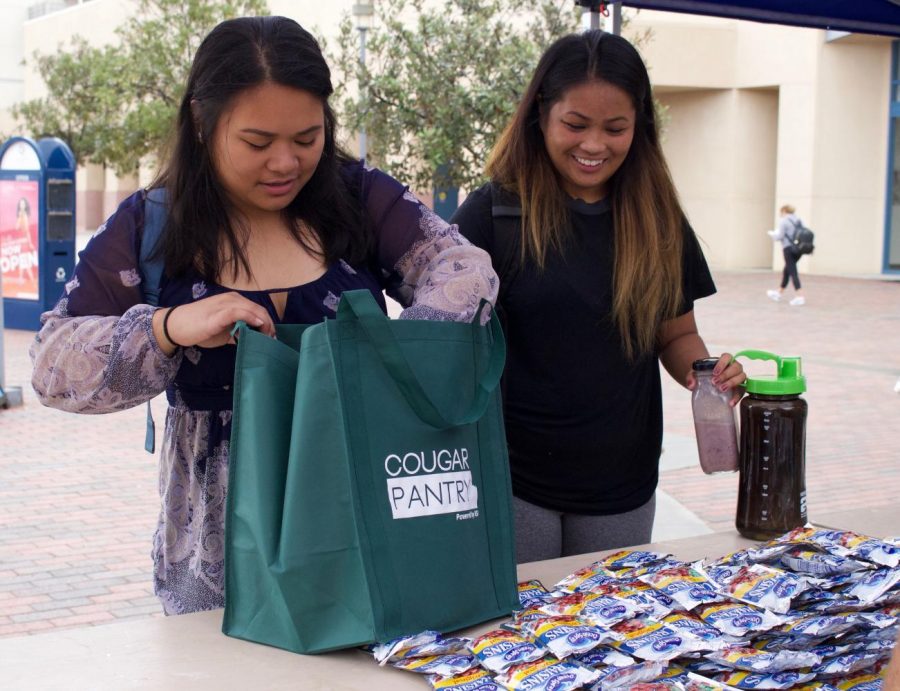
{"points": [[78, 495]]}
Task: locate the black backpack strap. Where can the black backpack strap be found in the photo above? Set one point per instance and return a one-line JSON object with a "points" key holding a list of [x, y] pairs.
{"points": [[506, 217], [506, 212], [151, 268]]}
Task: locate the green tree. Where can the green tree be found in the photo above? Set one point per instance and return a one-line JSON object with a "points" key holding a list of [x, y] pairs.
{"points": [[115, 105], [441, 80]]}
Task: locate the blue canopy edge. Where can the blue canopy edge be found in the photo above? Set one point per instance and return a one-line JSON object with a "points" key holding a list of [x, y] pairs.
{"points": [[859, 16]]}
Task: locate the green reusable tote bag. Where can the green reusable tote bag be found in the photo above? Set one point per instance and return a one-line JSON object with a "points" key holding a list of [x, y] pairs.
{"points": [[369, 493]]}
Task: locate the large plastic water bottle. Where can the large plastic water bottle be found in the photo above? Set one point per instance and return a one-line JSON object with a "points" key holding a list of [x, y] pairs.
{"points": [[772, 485]]}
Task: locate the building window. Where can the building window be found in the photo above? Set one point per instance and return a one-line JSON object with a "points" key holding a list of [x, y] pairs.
{"points": [[892, 213], [39, 9], [895, 74]]}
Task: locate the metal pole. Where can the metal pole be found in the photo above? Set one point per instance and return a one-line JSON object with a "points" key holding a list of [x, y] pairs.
{"points": [[590, 15], [362, 61], [617, 18]]}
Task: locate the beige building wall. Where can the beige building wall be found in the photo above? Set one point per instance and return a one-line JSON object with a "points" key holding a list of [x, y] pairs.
{"points": [[12, 74], [721, 147], [850, 155], [91, 202], [95, 20], [98, 191], [764, 115], [759, 115]]}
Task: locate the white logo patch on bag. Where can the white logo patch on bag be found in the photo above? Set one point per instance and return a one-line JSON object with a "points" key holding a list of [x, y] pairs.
{"points": [[427, 483]]}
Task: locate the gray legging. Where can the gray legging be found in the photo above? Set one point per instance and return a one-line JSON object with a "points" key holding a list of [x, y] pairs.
{"points": [[547, 534]]}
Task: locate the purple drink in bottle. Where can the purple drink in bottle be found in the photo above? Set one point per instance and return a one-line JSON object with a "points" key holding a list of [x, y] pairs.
{"points": [[714, 422]]}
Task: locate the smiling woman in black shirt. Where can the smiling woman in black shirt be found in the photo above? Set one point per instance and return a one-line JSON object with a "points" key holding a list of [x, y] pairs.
{"points": [[599, 271]]}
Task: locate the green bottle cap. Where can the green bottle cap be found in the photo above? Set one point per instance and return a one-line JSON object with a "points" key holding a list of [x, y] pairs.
{"points": [[789, 379]]}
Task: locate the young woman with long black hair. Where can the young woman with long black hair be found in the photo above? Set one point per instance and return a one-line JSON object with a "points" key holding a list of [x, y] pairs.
{"points": [[268, 222], [598, 280]]}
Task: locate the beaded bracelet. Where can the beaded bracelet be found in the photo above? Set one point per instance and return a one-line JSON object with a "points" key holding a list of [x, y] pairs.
{"points": [[165, 328]]}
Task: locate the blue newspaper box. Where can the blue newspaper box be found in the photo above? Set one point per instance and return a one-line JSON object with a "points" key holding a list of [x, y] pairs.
{"points": [[37, 227]]}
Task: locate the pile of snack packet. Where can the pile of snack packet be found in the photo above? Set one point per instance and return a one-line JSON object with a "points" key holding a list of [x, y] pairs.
{"points": [[812, 609]]}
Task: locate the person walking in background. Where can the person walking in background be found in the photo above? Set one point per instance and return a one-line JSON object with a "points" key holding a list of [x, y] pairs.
{"points": [[269, 221], [784, 233], [598, 277]]}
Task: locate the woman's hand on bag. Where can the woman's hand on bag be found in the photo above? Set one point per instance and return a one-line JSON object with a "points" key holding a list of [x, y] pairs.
{"points": [[208, 322]]}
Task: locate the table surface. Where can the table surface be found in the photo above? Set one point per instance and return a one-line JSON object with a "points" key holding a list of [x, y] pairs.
{"points": [[190, 650]]}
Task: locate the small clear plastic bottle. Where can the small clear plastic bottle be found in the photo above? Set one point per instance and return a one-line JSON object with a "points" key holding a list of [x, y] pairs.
{"points": [[714, 421]]}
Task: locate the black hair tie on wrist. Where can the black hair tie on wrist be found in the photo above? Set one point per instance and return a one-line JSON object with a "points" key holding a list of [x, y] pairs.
{"points": [[165, 327]]}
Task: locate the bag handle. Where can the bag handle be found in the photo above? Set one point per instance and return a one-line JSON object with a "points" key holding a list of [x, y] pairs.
{"points": [[359, 306]]}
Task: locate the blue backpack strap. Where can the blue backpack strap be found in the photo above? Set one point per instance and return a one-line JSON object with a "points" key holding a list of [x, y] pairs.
{"points": [[151, 267]]}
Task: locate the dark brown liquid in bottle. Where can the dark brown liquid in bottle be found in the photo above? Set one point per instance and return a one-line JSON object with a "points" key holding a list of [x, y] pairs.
{"points": [[772, 486]]}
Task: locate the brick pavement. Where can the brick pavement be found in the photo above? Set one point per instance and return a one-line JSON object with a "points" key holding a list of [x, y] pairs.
{"points": [[78, 497], [78, 503], [848, 334]]}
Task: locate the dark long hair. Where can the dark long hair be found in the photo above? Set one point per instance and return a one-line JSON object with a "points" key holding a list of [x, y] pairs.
{"points": [[648, 218], [237, 55]]}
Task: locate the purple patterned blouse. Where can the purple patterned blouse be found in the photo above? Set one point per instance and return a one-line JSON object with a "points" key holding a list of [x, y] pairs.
{"points": [[96, 353]]}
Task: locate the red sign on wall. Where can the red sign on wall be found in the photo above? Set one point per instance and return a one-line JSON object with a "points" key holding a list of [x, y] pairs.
{"points": [[19, 238]]}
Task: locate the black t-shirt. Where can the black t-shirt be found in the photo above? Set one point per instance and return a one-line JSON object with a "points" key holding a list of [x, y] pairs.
{"points": [[583, 424]]}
